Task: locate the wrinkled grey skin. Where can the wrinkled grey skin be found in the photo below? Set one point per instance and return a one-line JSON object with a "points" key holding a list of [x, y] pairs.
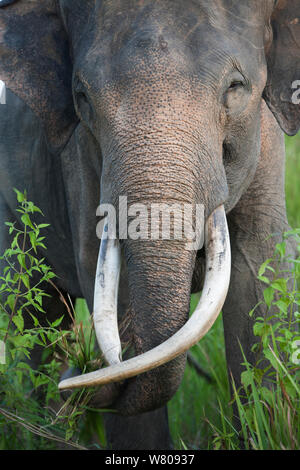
{"points": [[160, 101]]}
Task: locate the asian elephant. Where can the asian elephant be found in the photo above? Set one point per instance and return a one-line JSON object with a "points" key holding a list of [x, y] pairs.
{"points": [[161, 101]]}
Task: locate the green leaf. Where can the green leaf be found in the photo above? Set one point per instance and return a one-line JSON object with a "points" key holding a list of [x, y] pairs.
{"points": [[43, 337], [264, 266], [254, 309], [10, 301], [270, 357], [21, 197], [21, 259], [25, 280], [247, 378], [282, 305], [69, 434], [280, 285], [35, 320], [263, 279], [32, 237], [259, 328], [19, 322], [57, 322], [27, 221], [37, 209], [281, 248], [269, 296]]}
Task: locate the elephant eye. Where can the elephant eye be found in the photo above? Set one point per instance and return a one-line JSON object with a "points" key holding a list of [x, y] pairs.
{"points": [[236, 94], [235, 84]]}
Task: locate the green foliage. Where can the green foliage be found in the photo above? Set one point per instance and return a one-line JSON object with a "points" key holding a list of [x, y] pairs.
{"points": [[268, 402], [28, 419]]}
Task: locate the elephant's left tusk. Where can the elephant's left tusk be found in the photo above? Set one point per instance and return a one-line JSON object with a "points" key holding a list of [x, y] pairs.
{"points": [[218, 268], [106, 298]]}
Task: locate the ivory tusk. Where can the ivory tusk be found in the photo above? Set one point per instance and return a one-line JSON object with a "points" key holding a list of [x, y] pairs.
{"points": [[106, 298], [218, 268]]}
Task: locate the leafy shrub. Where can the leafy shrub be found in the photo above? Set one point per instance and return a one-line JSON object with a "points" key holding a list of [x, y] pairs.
{"points": [[268, 402], [27, 396]]}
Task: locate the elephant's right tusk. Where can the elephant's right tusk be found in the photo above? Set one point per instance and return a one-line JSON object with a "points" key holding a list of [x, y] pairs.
{"points": [[218, 268], [106, 298]]}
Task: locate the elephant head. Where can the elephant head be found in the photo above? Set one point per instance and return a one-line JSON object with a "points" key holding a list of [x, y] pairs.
{"points": [[172, 92]]}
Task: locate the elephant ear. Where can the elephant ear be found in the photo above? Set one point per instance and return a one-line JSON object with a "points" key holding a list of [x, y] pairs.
{"points": [[283, 60], [35, 64]]}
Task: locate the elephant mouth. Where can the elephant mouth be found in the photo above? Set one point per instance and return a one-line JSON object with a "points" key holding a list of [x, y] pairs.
{"points": [[216, 284]]}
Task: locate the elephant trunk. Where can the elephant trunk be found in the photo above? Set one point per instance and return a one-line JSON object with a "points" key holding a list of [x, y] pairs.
{"points": [[160, 276]]}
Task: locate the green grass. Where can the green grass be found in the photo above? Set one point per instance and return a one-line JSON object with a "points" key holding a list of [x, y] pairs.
{"points": [[292, 180]]}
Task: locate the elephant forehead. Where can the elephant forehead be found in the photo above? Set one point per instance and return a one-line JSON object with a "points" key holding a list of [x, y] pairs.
{"points": [[197, 40], [140, 21]]}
